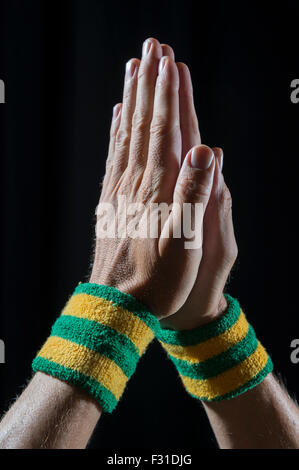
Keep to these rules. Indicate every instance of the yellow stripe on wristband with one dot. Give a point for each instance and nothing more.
(90, 363)
(230, 380)
(106, 313)
(212, 347)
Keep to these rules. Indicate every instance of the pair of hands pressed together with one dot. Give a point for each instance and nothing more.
(155, 155)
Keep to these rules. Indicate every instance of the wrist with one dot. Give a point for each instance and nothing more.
(196, 314)
(212, 314)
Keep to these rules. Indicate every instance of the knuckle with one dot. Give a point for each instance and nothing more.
(128, 93)
(231, 254)
(124, 186)
(234, 252)
(140, 123)
(160, 127)
(227, 252)
(109, 163)
(191, 190)
(145, 193)
(122, 138)
(113, 130)
(225, 199)
(142, 73)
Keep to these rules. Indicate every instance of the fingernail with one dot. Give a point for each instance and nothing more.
(201, 157)
(130, 69)
(162, 64)
(218, 152)
(146, 47)
(221, 161)
(116, 111)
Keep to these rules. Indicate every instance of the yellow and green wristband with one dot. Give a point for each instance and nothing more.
(97, 341)
(218, 360)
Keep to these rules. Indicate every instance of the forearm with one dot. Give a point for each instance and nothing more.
(262, 418)
(50, 414)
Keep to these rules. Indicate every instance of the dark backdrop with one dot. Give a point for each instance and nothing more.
(63, 64)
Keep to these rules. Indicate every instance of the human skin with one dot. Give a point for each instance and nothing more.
(53, 414)
(49, 414)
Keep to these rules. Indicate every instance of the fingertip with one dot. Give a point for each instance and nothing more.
(184, 70)
(163, 63)
(116, 111)
(151, 39)
(131, 67)
(167, 51)
(168, 69)
(151, 45)
(218, 152)
(201, 157)
(134, 62)
(183, 67)
(186, 87)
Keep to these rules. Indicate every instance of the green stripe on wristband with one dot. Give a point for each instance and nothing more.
(220, 363)
(204, 332)
(91, 386)
(256, 380)
(99, 338)
(125, 301)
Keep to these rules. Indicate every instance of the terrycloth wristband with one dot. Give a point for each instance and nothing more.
(97, 342)
(219, 360)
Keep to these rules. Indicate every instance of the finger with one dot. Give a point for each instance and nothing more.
(221, 192)
(142, 117)
(123, 135)
(188, 119)
(167, 50)
(116, 117)
(195, 180)
(218, 216)
(218, 177)
(218, 225)
(115, 123)
(193, 186)
(165, 136)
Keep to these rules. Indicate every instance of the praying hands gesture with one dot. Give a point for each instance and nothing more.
(164, 286)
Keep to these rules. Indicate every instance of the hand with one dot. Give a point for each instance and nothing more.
(145, 166)
(206, 300)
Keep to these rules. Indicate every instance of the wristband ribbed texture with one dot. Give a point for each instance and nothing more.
(219, 360)
(97, 342)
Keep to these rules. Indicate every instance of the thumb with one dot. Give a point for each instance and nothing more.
(182, 250)
(195, 180)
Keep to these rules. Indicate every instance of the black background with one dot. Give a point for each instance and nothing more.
(62, 63)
